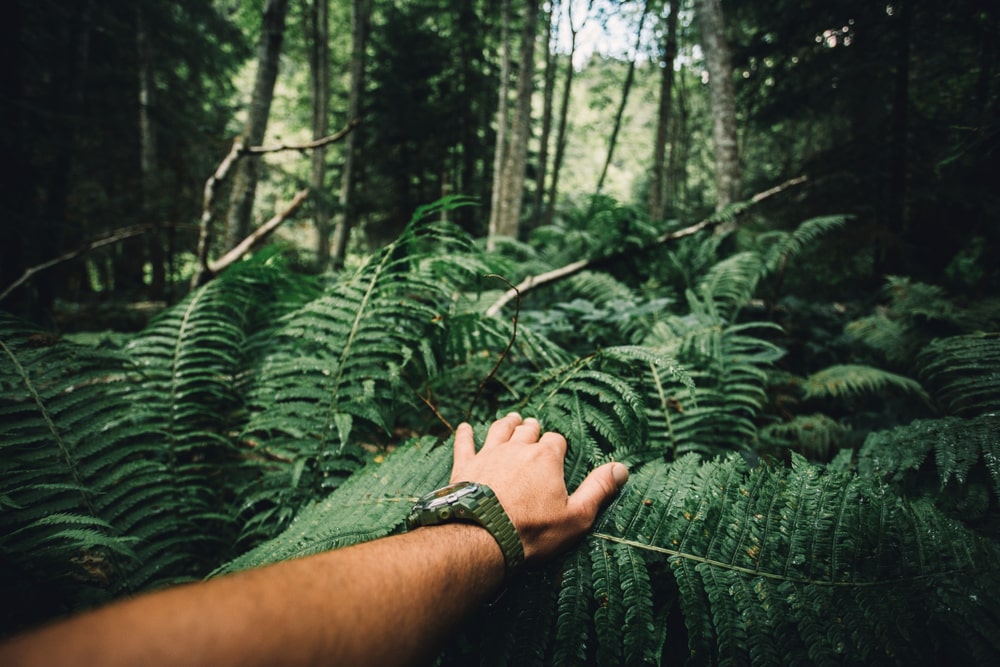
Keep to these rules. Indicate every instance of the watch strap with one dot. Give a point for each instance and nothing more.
(481, 507)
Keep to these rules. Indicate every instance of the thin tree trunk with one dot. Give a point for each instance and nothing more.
(722, 99)
(245, 179)
(550, 208)
(512, 194)
(657, 179)
(897, 207)
(626, 89)
(361, 11)
(148, 207)
(500, 145)
(551, 37)
(318, 29)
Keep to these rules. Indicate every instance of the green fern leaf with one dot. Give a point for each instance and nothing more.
(372, 503)
(964, 373)
(853, 380)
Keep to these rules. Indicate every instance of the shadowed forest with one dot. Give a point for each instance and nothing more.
(260, 258)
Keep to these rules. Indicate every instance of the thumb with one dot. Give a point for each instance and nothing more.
(597, 488)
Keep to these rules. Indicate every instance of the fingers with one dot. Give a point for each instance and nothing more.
(596, 489)
(465, 445)
(528, 431)
(502, 429)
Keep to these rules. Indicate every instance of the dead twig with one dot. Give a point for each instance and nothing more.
(115, 237)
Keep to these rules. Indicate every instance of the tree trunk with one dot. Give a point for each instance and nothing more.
(722, 99)
(361, 11)
(515, 159)
(500, 145)
(557, 160)
(245, 179)
(626, 89)
(318, 30)
(657, 177)
(551, 37)
(148, 206)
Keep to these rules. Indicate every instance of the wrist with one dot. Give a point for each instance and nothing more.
(469, 502)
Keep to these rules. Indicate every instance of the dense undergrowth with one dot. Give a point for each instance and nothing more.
(810, 484)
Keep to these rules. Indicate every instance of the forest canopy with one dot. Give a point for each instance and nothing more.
(259, 259)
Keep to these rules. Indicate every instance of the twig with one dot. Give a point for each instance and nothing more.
(118, 235)
(556, 274)
(503, 355)
(309, 145)
(433, 408)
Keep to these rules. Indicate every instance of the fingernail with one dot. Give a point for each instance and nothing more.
(620, 473)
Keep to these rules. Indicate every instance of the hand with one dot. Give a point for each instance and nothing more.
(524, 467)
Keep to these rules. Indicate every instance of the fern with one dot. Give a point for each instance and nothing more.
(964, 372)
(847, 381)
(965, 454)
(728, 365)
(87, 495)
(336, 373)
(815, 436)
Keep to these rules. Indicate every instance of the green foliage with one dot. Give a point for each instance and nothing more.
(263, 419)
(964, 372)
(845, 381)
(963, 455)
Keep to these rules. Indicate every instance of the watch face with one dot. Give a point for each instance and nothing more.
(449, 494)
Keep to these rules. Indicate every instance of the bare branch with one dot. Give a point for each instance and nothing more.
(309, 145)
(115, 237)
(258, 235)
(204, 272)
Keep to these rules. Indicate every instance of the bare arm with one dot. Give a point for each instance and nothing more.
(392, 601)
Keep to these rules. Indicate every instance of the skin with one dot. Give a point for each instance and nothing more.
(392, 601)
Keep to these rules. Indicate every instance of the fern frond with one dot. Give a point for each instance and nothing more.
(853, 380)
(339, 370)
(816, 436)
(885, 335)
(963, 372)
(731, 282)
(87, 487)
(764, 558)
(957, 446)
(779, 246)
(728, 365)
(370, 504)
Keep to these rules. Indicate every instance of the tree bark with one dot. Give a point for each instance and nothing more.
(500, 144)
(361, 11)
(245, 179)
(657, 178)
(722, 99)
(557, 160)
(551, 36)
(318, 29)
(515, 159)
(148, 206)
(626, 89)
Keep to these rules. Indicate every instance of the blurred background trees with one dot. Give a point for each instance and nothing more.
(115, 113)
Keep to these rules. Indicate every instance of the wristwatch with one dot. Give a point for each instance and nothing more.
(473, 503)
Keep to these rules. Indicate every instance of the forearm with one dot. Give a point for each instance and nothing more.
(387, 602)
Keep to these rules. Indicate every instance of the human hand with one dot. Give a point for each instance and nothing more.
(524, 467)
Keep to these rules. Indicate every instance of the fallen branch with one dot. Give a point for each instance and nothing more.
(575, 267)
